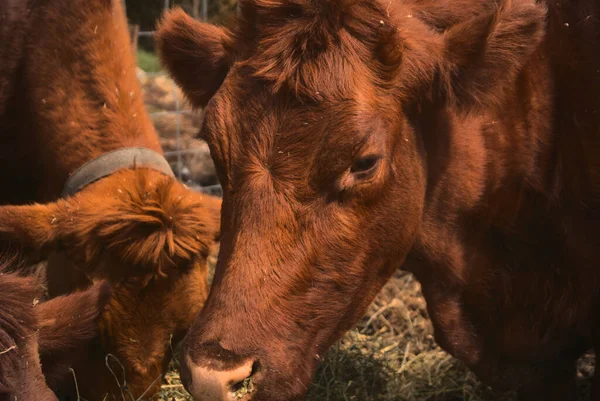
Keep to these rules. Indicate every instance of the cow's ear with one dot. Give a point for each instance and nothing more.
(196, 54)
(29, 233)
(481, 57)
(66, 326)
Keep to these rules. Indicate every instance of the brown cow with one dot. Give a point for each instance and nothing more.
(456, 140)
(52, 331)
(69, 99)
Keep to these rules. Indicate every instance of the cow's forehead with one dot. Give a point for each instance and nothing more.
(255, 118)
(295, 145)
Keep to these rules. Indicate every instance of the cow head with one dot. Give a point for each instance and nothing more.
(318, 115)
(149, 236)
(51, 332)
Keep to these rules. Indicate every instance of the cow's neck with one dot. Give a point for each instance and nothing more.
(70, 109)
(486, 170)
(487, 174)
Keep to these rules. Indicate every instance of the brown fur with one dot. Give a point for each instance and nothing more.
(150, 223)
(47, 332)
(17, 330)
(68, 93)
(457, 140)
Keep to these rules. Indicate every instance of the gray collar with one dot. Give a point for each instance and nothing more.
(108, 163)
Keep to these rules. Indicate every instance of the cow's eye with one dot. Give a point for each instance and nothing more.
(365, 164)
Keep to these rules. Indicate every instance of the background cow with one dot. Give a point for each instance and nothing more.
(52, 331)
(68, 94)
(457, 140)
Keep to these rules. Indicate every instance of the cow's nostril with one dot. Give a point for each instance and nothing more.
(240, 389)
(246, 386)
(255, 368)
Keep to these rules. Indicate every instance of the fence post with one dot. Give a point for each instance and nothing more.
(134, 30)
(196, 9)
(177, 117)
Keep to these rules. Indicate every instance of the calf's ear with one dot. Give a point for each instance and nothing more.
(67, 325)
(481, 57)
(196, 54)
(29, 233)
(80, 312)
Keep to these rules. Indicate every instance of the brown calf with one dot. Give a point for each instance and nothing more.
(458, 140)
(51, 332)
(69, 94)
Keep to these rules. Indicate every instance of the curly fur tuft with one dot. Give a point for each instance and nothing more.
(135, 223)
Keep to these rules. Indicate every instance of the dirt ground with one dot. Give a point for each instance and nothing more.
(391, 355)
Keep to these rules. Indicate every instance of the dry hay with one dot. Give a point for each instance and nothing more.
(392, 356)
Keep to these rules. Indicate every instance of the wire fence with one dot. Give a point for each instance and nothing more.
(180, 151)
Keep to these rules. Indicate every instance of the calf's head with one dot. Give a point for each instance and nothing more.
(149, 236)
(49, 332)
(318, 116)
